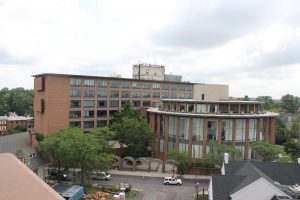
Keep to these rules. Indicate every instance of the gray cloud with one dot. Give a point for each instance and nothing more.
(8, 58)
(205, 25)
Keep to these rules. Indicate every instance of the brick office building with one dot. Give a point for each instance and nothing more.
(7, 123)
(192, 125)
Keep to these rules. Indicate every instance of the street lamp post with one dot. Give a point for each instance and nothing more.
(196, 187)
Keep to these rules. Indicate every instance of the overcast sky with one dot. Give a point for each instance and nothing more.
(253, 46)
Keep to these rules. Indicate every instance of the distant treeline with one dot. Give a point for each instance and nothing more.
(18, 100)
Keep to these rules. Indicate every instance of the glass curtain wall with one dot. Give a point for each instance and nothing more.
(240, 130)
(252, 130)
(197, 138)
(227, 130)
(172, 133)
(184, 129)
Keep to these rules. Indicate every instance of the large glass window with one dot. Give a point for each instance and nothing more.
(223, 108)
(89, 93)
(75, 114)
(183, 136)
(101, 113)
(136, 103)
(173, 95)
(114, 104)
(197, 133)
(102, 83)
(88, 124)
(212, 130)
(156, 86)
(189, 95)
(234, 108)
(212, 108)
(76, 124)
(165, 95)
(114, 84)
(136, 85)
(125, 94)
(147, 86)
(88, 113)
(75, 93)
(102, 93)
(75, 103)
(241, 148)
(114, 94)
(262, 130)
(252, 130)
(181, 95)
(89, 104)
(226, 130)
(173, 87)
(156, 95)
(89, 83)
(125, 84)
(189, 87)
(181, 87)
(240, 130)
(146, 103)
(136, 94)
(201, 108)
(102, 103)
(75, 82)
(101, 123)
(146, 94)
(197, 151)
(172, 133)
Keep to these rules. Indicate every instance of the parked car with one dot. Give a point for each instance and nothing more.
(124, 187)
(172, 181)
(101, 175)
(54, 175)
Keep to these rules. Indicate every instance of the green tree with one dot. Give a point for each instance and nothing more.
(268, 102)
(216, 154)
(294, 132)
(281, 133)
(4, 107)
(136, 134)
(128, 112)
(290, 103)
(265, 151)
(293, 149)
(246, 98)
(181, 158)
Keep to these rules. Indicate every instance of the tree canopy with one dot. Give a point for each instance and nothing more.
(216, 153)
(265, 151)
(181, 158)
(268, 101)
(290, 103)
(292, 148)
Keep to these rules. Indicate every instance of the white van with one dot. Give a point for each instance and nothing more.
(172, 181)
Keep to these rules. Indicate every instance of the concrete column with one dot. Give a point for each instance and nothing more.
(267, 130)
(258, 130)
(157, 150)
(166, 137)
(219, 131)
(247, 108)
(272, 130)
(246, 139)
(177, 121)
(204, 137)
(233, 131)
(239, 108)
(190, 137)
(229, 108)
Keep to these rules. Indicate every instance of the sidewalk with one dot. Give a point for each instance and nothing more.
(155, 174)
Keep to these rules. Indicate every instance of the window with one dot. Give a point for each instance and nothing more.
(75, 124)
(125, 94)
(89, 83)
(146, 103)
(136, 85)
(102, 93)
(181, 87)
(173, 96)
(156, 95)
(189, 95)
(75, 114)
(197, 133)
(114, 94)
(125, 84)
(226, 130)
(114, 84)
(136, 103)
(75, 103)
(75, 93)
(181, 95)
(156, 86)
(202, 96)
(165, 95)
(201, 108)
(240, 130)
(102, 103)
(112, 112)
(88, 113)
(252, 130)
(146, 95)
(189, 87)
(147, 86)
(88, 124)
(89, 93)
(75, 82)
(124, 102)
(165, 86)
(101, 113)
(212, 130)
(114, 104)
(101, 123)
(89, 104)
(136, 94)
(102, 83)
(173, 87)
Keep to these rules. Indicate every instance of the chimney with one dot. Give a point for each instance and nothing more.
(226, 158)
(32, 140)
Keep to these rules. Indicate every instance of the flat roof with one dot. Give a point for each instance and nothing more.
(108, 77)
(216, 115)
(204, 101)
(19, 182)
